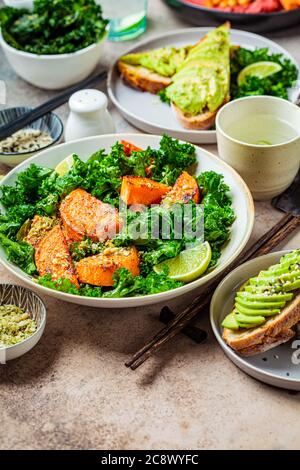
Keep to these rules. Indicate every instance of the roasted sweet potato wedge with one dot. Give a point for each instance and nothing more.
(138, 190)
(129, 148)
(38, 229)
(83, 215)
(52, 256)
(184, 190)
(98, 270)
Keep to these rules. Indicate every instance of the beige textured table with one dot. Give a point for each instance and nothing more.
(73, 391)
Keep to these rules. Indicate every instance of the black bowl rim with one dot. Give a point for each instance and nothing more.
(44, 317)
(233, 13)
(31, 152)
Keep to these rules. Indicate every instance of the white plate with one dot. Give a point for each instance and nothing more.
(241, 229)
(147, 112)
(274, 367)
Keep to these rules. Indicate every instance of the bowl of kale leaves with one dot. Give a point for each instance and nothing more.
(55, 45)
(99, 166)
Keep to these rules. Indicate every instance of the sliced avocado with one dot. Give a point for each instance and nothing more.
(262, 288)
(266, 294)
(252, 304)
(274, 279)
(293, 256)
(285, 264)
(266, 312)
(202, 80)
(249, 320)
(247, 325)
(230, 322)
(290, 276)
(164, 61)
(290, 286)
(265, 297)
(276, 272)
(261, 281)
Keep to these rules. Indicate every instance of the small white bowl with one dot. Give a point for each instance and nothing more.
(49, 123)
(56, 71)
(31, 303)
(267, 169)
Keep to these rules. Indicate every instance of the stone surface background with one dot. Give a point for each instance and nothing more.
(73, 391)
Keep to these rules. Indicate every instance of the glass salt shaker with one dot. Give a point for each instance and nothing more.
(88, 115)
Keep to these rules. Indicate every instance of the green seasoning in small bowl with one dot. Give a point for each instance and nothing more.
(16, 325)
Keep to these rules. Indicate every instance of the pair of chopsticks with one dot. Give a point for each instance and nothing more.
(265, 244)
(30, 116)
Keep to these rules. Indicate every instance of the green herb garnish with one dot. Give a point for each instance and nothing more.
(54, 26)
(274, 85)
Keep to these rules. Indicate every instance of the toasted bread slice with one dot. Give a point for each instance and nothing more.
(142, 78)
(200, 122)
(275, 331)
(283, 337)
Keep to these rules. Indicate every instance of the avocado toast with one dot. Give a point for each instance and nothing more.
(266, 308)
(194, 79)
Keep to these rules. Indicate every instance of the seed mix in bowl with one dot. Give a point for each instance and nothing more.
(25, 140)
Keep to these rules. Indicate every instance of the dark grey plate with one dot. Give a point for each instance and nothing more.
(257, 23)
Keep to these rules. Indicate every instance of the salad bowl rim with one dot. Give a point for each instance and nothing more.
(124, 302)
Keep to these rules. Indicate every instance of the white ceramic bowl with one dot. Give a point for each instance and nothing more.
(275, 366)
(267, 169)
(31, 303)
(56, 71)
(240, 233)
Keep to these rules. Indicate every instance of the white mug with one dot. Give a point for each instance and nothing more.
(267, 169)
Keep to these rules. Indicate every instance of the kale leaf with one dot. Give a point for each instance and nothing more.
(275, 85)
(20, 253)
(218, 212)
(171, 159)
(125, 285)
(84, 248)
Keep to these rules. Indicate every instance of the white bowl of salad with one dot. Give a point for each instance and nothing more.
(59, 239)
(53, 48)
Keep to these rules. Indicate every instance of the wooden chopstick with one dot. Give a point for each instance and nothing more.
(26, 118)
(287, 224)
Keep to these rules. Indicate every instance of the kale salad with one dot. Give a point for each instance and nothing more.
(49, 226)
(54, 26)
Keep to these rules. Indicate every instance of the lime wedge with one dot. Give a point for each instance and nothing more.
(64, 166)
(258, 69)
(188, 265)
